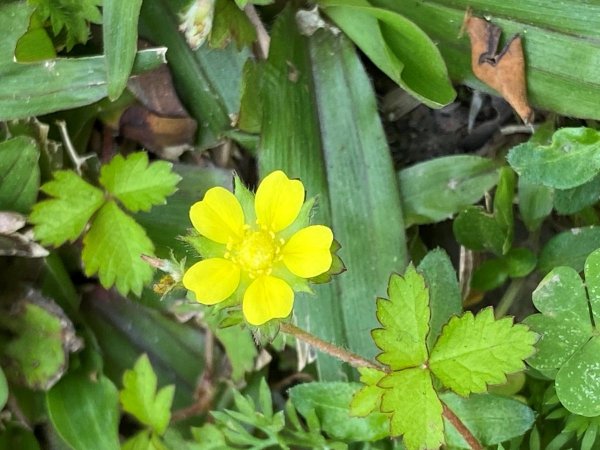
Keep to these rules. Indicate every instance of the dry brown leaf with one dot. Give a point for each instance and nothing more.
(504, 71)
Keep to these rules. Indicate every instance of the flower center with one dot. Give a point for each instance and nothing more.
(256, 253)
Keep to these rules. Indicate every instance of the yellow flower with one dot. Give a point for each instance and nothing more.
(259, 249)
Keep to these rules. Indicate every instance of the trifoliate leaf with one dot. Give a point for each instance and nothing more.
(416, 411)
(113, 248)
(474, 351)
(569, 345)
(137, 184)
(64, 217)
(140, 398)
(72, 15)
(405, 321)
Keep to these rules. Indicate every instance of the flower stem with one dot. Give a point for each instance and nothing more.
(337, 352)
(462, 429)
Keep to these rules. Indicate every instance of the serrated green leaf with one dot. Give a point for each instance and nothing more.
(416, 411)
(74, 16)
(64, 217)
(405, 320)
(137, 184)
(367, 399)
(140, 398)
(474, 351)
(113, 247)
(570, 160)
(19, 174)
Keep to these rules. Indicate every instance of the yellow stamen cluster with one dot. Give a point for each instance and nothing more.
(256, 252)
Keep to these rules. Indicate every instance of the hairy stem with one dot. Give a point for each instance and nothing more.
(462, 429)
(337, 352)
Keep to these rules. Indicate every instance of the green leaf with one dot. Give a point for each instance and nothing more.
(490, 274)
(570, 160)
(474, 351)
(331, 403)
(491, 418)
(416, 411)
(42, 87)
(113, 248)
(37, 354)
(3, 389)
(16, 436)
(19, 174)
(240, 348)
(84, 409)
(397, 46)
(141, 399)
(535, 203)
(433, 191)
(445, 300)
(478, 230)
(553, 45)
(74, 16)
(119, 32)
(367, 399)
(405, 320)
(569, 340)
(137, 184)
(520, 262)
(229, 23)
(503, 205)
(569, 248)
(64, 217)
(570, 201)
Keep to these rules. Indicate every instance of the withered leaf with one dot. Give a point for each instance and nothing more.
(503, 71)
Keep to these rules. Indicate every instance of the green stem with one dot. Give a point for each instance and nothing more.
(509, 297)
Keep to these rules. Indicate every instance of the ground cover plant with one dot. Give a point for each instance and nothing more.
(233, 224)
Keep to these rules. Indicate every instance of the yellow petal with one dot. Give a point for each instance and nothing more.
(212, 280)
(267, 298)
(218, 216)
(307, 252)
(278, 201)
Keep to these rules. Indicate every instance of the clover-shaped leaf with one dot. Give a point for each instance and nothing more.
(471, 352)
(569, 347)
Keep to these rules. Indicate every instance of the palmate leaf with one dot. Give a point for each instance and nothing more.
(112, 248)
(137, 184)
(405, 319)
(474, 351)
(141, 399)
(471, 352)
(63, 218)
